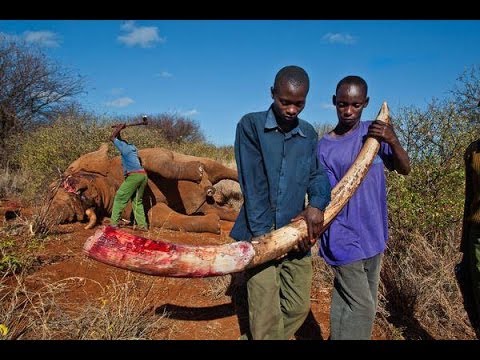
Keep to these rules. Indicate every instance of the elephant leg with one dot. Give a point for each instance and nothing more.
(215, 170)
(176, 170)
(218, 172)
(163, 217)
(223, 212)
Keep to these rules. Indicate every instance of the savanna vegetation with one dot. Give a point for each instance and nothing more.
(43, 130)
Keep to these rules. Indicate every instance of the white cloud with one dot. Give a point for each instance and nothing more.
(143, 36)
(8, 37)
(327, 106)
(42, 38)
(339, 38)
(190, 113)
(117, 91)
(164, 74)
(120, 102)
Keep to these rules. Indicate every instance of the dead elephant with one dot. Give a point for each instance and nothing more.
(179, 194)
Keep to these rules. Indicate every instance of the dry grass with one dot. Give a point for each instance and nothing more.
(40, 311)
(25, 312)
(232, 285)
(124, 311)
(11, 183)
(421, 297)
(42, 221)
(322, 272)
(216, 286)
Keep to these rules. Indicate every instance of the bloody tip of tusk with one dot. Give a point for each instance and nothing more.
(127, 251)
(131, 252)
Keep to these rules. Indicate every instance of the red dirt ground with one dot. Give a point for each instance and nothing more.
(194, 314)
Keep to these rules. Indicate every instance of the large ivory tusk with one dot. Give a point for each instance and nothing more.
(280, 241)
(121, 249)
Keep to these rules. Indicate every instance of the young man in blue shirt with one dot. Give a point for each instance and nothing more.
(354, 242)
(277, 167)
(134, 184)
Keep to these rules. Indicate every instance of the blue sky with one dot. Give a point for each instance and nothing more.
(215, 71)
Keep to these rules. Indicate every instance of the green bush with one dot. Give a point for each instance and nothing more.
(46, 152)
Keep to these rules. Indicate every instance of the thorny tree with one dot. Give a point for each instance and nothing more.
(32, 88)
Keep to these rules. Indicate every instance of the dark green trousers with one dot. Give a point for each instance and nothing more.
(473, 248)
(279, 297)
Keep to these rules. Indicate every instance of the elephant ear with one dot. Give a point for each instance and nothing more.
(94, 162)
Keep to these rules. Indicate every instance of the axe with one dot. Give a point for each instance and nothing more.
(144, 121)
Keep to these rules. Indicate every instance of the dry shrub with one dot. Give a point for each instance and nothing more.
(15, 319)
(27, 313)
(223, 154)
(37, 225)
(123, 311)
(420, 294)
(18, 247)
(176, 128)
(12, 183)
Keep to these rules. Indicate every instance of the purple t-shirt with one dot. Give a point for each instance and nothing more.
(360, 230)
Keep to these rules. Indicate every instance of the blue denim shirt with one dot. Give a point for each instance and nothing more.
(129, 153)
(275, 172)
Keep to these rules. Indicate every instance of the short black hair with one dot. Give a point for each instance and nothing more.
(292, 74)
(353, 80)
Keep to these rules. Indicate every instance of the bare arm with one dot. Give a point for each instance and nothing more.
(116, 131)
(385, 132)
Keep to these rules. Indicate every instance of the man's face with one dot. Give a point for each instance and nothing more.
(289, 101)
(350, 101)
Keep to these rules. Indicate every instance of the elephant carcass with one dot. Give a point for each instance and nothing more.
(123, 250)
(178, 195)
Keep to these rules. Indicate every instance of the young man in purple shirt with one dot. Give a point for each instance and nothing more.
(355, 241)
(277, 166)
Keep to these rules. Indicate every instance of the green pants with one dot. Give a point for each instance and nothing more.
(279, 297)
(131, 189)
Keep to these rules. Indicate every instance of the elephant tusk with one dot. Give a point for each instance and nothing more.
(92, 218)
(278, 242)
(127, 251)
